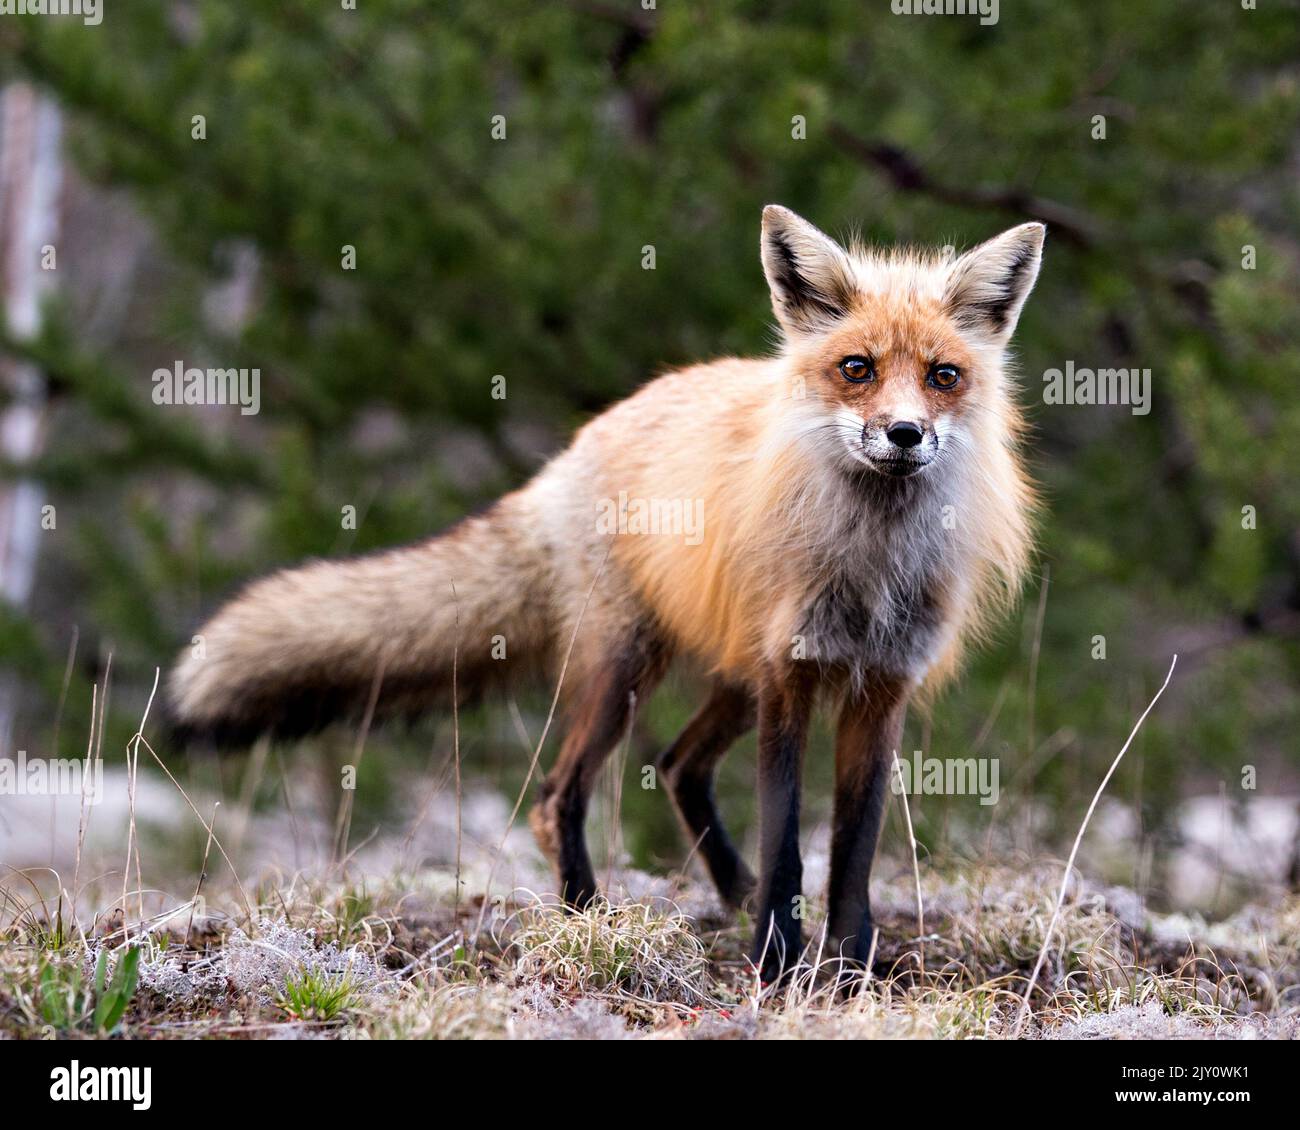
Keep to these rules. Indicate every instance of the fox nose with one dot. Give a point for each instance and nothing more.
(904, 433)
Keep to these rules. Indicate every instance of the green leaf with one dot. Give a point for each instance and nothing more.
(112, 1004)
(52, 1007)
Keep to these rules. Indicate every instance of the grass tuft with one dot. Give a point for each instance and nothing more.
(314, 996)
(625, 954)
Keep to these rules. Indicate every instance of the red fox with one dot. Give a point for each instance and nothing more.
(864, 515)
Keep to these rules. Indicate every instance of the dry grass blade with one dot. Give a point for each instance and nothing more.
(1074, 851)
(133, 834)
(243, 894)
(916, 865)
(455, 731)
(344, 826)
(203, 874)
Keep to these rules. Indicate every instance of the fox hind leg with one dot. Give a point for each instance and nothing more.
(689, 766)
(598, 720)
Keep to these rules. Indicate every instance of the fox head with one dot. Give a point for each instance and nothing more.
(898, 356)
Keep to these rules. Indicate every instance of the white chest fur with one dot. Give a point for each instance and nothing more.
(879, 604)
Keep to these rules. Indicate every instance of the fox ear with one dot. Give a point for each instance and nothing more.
(809, 274)
(989, 284)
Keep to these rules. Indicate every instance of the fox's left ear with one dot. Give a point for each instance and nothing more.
(989, 284)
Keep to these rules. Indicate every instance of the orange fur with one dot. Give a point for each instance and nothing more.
(767, 448)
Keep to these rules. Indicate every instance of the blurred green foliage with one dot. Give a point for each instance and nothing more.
(522, 256)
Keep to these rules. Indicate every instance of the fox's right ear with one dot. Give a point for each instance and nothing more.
(809, 274)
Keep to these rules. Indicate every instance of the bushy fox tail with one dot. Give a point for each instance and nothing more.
(311, 645)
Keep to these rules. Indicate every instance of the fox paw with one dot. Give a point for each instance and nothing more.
(544, 821)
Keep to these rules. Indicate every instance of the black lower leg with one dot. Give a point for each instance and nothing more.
(689, 766)
(567, 807)
(599, 722)
(783, 709)
(869, 730)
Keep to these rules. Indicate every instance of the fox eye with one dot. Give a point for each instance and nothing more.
(944, 376)
(857, 369)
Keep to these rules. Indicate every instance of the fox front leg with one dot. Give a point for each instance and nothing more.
(870, 727)
(784, 705)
